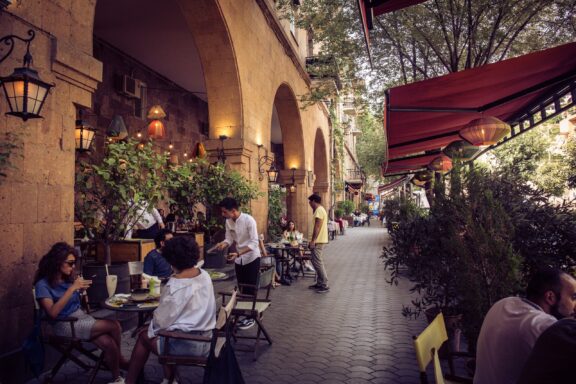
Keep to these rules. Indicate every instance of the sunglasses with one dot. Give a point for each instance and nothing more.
(71, 263)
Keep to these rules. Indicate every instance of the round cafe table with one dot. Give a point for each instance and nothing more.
(144, 309)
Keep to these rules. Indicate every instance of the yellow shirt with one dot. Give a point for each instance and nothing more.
(320, 213)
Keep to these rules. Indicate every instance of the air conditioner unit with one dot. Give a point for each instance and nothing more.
(129, 87)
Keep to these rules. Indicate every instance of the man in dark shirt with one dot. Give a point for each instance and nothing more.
(154, 262)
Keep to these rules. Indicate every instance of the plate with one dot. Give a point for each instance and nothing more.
(215, 275)
(117, 302)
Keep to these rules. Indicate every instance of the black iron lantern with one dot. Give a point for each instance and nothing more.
(83, 135)
(24, 90)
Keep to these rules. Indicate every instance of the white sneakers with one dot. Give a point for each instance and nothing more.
(119, 380)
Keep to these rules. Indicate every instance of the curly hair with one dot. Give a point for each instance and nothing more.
(49, 265)
(181, 252)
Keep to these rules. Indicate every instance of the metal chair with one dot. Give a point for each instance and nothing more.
(252, 307)
(427, 345)
(70, 348)
(220, 336)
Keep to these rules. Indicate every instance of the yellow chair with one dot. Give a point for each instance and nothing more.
(427, 345)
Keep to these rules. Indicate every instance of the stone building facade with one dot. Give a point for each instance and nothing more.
(253, 71)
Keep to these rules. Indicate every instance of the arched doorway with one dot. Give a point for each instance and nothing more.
(186, 42)
(287, 144)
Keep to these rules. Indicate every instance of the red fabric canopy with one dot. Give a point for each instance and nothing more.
(428, 115)
(408, 164)
(396, 183)
(386, 6)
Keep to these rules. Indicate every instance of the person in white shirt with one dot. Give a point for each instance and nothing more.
(187, 304)
(147, 223)
(241, 229)
(513, 324)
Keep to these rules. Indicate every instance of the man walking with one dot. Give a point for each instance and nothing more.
(316, 244)
(241, 229)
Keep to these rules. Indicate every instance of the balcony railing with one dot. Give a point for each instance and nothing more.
(323, 67)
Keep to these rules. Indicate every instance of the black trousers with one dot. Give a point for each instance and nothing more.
(248, 274)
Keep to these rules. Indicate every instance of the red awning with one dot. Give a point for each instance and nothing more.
(385, 6)
(428, 115)
(395, 184)
(370, 8)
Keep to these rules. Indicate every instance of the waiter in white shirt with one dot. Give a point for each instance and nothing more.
(148, 223)
(241, 229)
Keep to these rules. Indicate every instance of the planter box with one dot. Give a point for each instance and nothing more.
(126, 250)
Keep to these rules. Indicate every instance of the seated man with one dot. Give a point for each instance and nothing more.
(154, 263)
(553, 355)
(187, 304)
(513, 324)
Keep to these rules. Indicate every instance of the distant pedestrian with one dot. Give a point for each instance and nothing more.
(316, 244)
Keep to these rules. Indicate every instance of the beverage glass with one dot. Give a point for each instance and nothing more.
(111, 282)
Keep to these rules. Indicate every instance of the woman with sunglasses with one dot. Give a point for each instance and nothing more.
(58, 289)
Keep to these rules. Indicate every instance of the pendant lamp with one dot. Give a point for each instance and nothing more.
(460, 149)
(441, 164)
(485, 131)
(156, 129)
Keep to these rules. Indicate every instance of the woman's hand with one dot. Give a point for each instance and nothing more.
(231, 256)
(80, 283)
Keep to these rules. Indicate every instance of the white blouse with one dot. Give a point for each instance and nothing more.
(185, 305)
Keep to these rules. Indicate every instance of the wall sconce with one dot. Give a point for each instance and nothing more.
(24, 90)
(293, 185)
(83, 134)
(272, 171)
(221, 154)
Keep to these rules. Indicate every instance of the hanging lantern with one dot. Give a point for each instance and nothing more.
(460, 149)
(199, 151)
(117, 129)
(272, 173)
(156, 113)
(441, 164)
(156, 129)
(418, 183)
(83, 135)
(423, 176)
(485, 131)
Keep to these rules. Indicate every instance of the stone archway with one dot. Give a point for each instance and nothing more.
(321, 168)
(292, 154)
(194, 50)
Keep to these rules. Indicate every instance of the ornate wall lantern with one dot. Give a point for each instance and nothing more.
(83, 134)
(24, 90)
(272, 171)
(485, 131)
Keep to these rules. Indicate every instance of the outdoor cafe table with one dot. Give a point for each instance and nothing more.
(144, 309)
(285, 254)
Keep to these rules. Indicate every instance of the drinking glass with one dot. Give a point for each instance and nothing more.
(111, 283)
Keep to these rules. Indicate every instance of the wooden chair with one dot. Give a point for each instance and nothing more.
(427, 345)
(70, 348)
(305, 256)
(220, 336)
(253, 307)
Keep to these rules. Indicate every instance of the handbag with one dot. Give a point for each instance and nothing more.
(33, 349)
(223, 369)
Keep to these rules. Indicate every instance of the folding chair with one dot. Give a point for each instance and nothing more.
(220, 336)
(252, 307)
(70, 348)
(427, 345)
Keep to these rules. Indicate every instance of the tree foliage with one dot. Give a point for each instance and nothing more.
(371, 144)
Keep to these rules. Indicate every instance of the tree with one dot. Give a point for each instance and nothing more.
(110, 192)
(371, 144)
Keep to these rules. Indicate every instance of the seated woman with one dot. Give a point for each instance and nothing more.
(58, 293)
(291, 234)
(187, 304)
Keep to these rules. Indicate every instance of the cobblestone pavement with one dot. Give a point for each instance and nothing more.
(355, 333)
